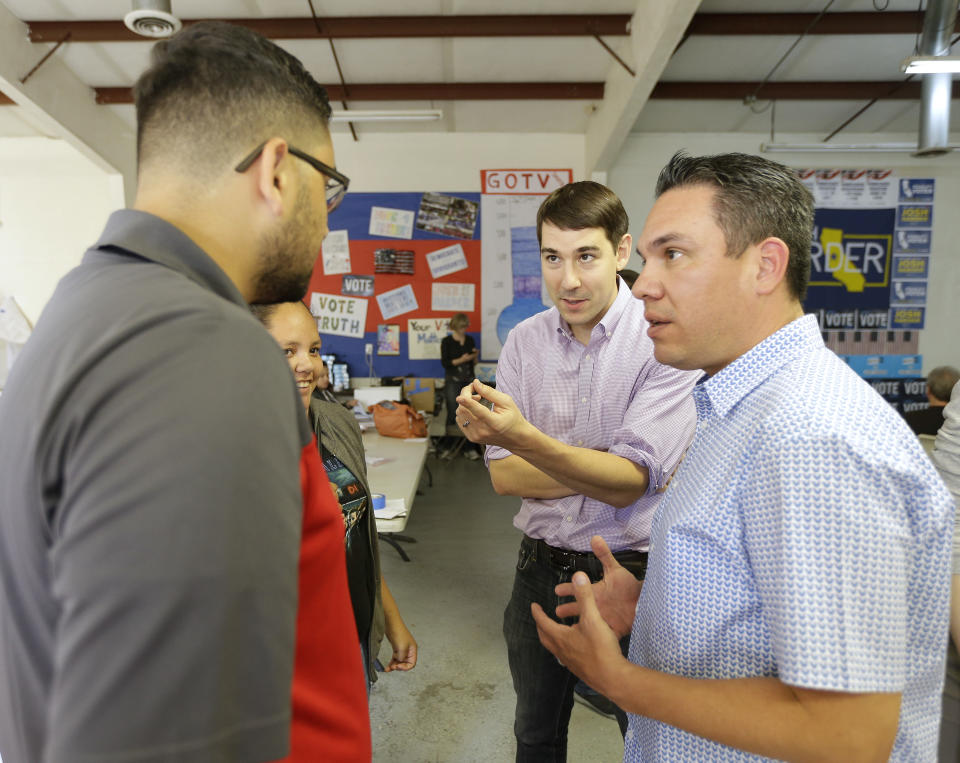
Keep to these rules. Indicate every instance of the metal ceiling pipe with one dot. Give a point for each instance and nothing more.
(938, 23)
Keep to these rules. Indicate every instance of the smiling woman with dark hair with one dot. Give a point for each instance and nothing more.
(341, 448)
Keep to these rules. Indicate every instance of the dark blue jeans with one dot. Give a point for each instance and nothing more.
(544, 687)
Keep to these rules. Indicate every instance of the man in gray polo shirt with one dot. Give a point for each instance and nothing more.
(150, 465)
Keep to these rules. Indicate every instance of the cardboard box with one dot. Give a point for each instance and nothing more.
(421, 393)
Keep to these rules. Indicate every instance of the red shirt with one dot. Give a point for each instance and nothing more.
(331, 719)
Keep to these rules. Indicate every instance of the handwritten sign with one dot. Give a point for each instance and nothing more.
(336, 253)
(397, 301)
(424, 336)
(447, 260)
(452, 297)
(338, 315)
(395, 223)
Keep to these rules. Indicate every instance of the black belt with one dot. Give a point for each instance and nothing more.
(578, 560)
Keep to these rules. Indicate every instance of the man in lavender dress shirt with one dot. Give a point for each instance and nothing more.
(586, 427)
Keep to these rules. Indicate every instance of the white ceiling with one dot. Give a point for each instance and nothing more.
(531, 59)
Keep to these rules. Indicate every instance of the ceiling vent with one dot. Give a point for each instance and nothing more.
(152, 18)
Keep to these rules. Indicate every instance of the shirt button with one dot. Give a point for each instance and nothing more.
(569, 518)
(579, 442)
(583, 399)
(629, 734)
(587, 356)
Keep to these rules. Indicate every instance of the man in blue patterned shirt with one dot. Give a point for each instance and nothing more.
(795, 604)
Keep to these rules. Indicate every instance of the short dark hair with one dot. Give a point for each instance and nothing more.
(941, 381)
(215, 90)
(584, 205)
(263, 312)
(755, 199)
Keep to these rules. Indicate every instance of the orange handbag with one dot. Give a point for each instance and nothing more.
(397, 420)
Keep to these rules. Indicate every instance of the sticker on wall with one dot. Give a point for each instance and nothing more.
(448, 215)
(397, 301)
(447, 260)
(336, 253)
(338, 315)
(393, 261)
(916, 190)
(909, 293)
(452, 297)
(395, 223)
(914, 216)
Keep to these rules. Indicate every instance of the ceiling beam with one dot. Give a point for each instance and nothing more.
(593, 91)
(722, 24)
(431, 91)
(791, 91)
(863, 22)
(656, 30)
(294, 28)
(64, 107)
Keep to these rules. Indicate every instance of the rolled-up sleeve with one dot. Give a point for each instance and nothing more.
(659, 422)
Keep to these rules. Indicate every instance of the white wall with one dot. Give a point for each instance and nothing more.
(644, 154)
(53, 205)
(450, 161)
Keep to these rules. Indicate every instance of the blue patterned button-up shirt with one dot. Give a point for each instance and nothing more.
(805, 536)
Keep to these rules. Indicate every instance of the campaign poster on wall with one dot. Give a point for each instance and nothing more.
(871, 249)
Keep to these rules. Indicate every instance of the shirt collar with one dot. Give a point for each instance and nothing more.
(609, 320)
(152, 238)
(729, 386)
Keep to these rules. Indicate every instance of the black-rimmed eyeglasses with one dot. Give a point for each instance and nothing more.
(337, 182)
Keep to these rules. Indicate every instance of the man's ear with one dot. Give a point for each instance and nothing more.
(273, 174)
(774, 256)
(624, 250)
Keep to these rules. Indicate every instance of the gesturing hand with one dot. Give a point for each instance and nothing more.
(590, 648)
(615, 595)
(502, 424)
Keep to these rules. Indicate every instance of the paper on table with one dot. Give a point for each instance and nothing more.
(375, 460)
(396, 507)
(415, 439)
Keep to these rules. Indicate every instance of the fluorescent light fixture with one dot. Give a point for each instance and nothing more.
(408, 115)
(931, 65)
(818, 148)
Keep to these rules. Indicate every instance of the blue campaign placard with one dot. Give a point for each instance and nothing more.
(914, 215)
(908, 293)
(916, 190)
(911, 241)
(868, 366)
(850, 260)
(885, 366)
(907, 318)
(905, 366)
(915, 266)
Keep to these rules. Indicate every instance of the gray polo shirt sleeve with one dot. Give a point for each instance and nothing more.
(174, 545)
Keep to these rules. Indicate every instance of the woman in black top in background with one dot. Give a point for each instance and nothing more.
(457, 354)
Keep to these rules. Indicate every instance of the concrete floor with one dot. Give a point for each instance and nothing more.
(457, 704)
